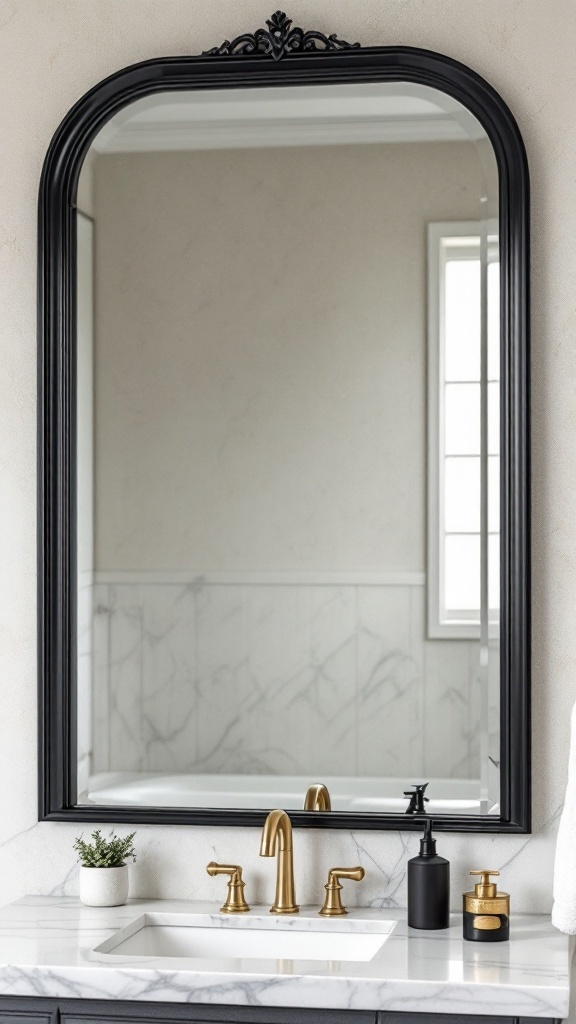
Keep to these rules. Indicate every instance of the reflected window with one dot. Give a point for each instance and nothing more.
(464, 427)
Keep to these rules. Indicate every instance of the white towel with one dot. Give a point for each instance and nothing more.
(564, 907)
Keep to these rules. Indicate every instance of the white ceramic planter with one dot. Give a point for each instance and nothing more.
(104, 887)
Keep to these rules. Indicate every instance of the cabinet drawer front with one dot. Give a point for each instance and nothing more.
(19, 1017)
(455, 1018)
(150, 1013)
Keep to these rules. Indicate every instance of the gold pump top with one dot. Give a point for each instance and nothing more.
(486, 899)
(485, 889)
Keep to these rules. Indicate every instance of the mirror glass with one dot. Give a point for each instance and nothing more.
(288, 365)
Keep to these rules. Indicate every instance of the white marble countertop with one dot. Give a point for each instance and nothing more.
(47, 948)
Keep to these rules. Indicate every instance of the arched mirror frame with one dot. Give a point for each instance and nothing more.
(275, 57)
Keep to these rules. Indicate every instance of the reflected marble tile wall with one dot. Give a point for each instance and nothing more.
(85, 674)
(279, 679)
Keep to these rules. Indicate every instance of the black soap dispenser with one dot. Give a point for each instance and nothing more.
(428, 886)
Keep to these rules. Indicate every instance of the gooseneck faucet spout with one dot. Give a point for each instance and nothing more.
(317, 798)
(277, 839)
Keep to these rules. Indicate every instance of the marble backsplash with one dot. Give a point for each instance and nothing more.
(275, 678)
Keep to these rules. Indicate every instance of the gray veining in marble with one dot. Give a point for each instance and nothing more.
(197, 676)
(47, 948)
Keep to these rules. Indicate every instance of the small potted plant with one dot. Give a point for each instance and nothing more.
(103, 871)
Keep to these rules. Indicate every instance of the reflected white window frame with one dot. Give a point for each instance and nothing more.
(461, 240)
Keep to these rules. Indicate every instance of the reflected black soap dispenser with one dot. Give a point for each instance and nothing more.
(428, 885)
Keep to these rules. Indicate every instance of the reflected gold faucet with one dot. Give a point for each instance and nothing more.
(317, 798)
(277, 839)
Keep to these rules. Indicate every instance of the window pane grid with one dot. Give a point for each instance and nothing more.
(465, 406)
(461, 449)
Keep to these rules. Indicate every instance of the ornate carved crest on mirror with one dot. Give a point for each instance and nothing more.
(284, 444)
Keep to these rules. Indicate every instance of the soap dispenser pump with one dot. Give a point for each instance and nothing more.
(486, 916)
(428, 886)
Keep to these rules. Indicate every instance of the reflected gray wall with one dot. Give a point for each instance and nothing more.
(260, 382)
(260, 366)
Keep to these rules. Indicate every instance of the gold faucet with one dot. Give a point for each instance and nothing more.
(333, 904)
(317, 798)
(235, 902)
(277, 839)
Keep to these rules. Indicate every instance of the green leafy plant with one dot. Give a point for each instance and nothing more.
(105, 853)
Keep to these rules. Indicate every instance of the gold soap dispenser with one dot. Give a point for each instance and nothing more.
(486, 911)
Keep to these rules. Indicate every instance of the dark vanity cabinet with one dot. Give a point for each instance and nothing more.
(32, 1010)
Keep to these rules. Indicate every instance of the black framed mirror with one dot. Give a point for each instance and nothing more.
(284, 443)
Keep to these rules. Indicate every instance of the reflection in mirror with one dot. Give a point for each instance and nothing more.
(288, 369)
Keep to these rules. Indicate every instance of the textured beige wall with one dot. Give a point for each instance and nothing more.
(52, 51)
(261, 354)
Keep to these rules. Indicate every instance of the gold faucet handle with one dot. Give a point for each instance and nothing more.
(235, 902)
(333, 904)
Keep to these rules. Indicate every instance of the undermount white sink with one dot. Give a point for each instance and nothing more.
(199, 936)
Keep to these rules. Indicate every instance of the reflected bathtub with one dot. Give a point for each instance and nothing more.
(263, 792)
